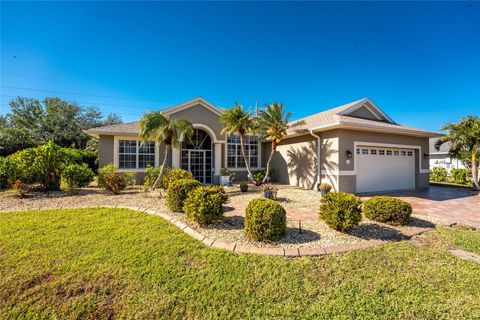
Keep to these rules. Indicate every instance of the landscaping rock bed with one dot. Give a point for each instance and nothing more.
(299, 234)
(287, 196)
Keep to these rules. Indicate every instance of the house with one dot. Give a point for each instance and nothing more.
(441, 157)
(360, 148)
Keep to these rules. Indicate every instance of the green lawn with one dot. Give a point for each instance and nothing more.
(111, 263)
(468, 240)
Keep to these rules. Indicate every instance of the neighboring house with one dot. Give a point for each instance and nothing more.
(361, 149)
(441, 157)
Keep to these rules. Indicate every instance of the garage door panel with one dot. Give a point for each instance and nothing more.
(384, 169)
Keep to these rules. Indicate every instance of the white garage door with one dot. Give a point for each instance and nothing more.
(383, 169)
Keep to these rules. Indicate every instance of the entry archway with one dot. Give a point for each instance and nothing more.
(196, 155)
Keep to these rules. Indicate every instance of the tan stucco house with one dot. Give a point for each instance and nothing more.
(360, 148)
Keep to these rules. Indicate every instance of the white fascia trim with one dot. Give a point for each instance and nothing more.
(191, 103)
(208, 130)
(116, 144)
(110, 133)
(390, 145)
(373, 128)
(362, 103)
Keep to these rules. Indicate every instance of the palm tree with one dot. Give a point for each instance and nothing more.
(160, 128)
(237, 121)
(273, 124)
(464, 138)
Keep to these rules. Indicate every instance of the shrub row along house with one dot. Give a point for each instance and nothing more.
(355, 147)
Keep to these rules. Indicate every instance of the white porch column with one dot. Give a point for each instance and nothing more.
(175, 157)
(218, 158)
(319, 160)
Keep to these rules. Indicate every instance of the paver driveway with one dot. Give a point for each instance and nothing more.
(451, 205)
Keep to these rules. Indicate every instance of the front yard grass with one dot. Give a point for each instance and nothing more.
(117, 263)
(463, 238)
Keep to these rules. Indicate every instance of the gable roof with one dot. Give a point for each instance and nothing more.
(133, 128)
(338, 117)
(193, 102)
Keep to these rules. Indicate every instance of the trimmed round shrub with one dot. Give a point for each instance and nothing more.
(387, 209)
(77, 175)
(103, 171)
(171, 175)
(115, 182)
(178, 192)
(204, 205)
(340, 210)
(265, 220)
(221, 190)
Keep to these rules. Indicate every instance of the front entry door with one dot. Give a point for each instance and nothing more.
(199, 163)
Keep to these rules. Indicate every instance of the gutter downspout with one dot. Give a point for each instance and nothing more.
(319, 160)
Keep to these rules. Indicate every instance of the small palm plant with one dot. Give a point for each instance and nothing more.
(237, 121)
(273, 124)
(160, 128)
(464, 138)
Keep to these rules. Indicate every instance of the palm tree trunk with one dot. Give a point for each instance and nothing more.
(267, 173)
(160, 175)
(476, 184)
(247, 161)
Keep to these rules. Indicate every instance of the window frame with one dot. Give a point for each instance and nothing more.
(116, 151)
(238, 147)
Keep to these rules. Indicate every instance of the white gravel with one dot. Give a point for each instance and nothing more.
(230, 229)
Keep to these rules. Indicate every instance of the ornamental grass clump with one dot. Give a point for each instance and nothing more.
(340, 210)
(388, 210)
(204, 204)
(178, 192)
(265, 220)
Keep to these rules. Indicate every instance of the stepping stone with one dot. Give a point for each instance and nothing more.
(465, 255)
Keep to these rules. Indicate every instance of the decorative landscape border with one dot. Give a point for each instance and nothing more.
(286, 252)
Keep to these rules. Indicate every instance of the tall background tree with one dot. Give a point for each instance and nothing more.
(31, 123)
(464, 140)
(273, 124)
(239, 122)
(159, 127)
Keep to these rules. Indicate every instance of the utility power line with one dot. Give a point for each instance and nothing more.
(42, 78)
(105, 113)
(74, 93)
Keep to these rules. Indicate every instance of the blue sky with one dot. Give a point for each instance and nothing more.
(419, 61)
